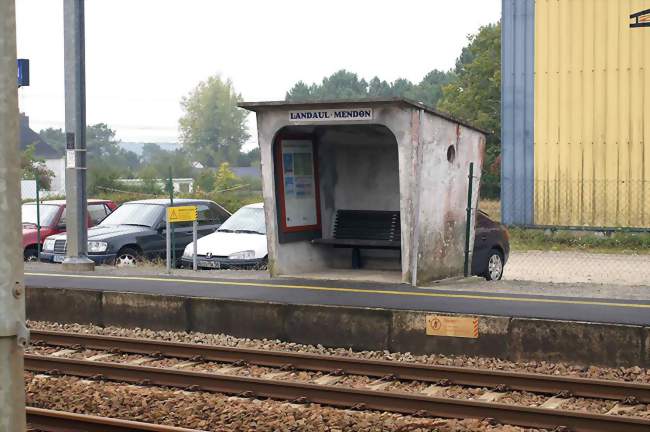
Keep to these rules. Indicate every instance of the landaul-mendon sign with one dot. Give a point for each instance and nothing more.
(348, 114)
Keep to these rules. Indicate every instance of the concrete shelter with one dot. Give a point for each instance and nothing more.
(390, 163)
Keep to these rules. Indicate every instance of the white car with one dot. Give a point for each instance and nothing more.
(240, 242)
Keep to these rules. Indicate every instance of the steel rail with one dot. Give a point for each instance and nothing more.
(404, 403)
(60, 421)
(538, 383)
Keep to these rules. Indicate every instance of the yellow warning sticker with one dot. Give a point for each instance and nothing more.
(182, 214)
(440, 325)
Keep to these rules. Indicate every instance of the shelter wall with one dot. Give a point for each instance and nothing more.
(443, 185)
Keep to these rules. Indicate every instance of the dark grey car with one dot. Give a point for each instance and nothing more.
(491, 248)
(136, 230)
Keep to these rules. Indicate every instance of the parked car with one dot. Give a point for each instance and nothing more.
(53, 220)
(239, 242)
(136, 230)
(491, 248)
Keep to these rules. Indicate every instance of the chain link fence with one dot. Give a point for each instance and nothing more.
(594, 232)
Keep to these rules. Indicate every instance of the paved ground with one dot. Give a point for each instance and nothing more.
(579, 267)
(630, 305)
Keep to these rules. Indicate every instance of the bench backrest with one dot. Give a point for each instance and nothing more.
(367, 225)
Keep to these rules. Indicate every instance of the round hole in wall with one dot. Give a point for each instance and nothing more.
(451, 153)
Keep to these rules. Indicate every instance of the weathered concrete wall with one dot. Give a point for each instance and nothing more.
(348, 327)
(441, 214)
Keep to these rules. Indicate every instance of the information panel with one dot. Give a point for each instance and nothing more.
(299, 180)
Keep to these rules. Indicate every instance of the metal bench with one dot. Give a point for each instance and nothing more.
(364, 229)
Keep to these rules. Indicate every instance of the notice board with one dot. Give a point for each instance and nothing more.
(299, 185)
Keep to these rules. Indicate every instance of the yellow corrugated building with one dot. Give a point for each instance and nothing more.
(592, 113)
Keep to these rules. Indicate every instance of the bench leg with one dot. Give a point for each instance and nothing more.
(356, 258)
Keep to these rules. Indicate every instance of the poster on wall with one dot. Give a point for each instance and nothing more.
(300, 198)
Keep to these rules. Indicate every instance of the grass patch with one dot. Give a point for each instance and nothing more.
(630, 243)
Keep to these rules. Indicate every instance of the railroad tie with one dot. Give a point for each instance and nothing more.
(491, 396)
(140, 361)
(185, 364)
(228, 370)
(554, 402)
(276, 375)
(378, 385)
(98, 357)
(620, 409)
(328, 379)
(434, 391)
(63, 353)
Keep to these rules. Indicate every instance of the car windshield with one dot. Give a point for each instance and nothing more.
(245, 220)
(48, 213)
(136, 214)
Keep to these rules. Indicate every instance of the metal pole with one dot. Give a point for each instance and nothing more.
(38, 219)
(168, 243)
(75, 128)
(468, 222)
(13, 334)
(171, 203)
(195, 228)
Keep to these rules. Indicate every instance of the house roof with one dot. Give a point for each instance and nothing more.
(278, 105)
(28, 137)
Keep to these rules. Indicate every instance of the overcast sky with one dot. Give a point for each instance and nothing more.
(142, 56)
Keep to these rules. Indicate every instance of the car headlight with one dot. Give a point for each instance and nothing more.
(48, 244)
(243, 255)
(96, 246)
(189, 251)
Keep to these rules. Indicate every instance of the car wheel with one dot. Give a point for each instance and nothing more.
(494, 265)
(30, 255)
(127, 257)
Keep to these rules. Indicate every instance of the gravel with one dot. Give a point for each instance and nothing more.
(578, 267)
(629, 374)
(217, 412)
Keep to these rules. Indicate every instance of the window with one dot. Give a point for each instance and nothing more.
(97, 213)
(209, 213)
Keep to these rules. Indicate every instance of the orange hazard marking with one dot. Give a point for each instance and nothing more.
(442, 325)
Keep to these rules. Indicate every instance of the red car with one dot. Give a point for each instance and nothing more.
(53, 221)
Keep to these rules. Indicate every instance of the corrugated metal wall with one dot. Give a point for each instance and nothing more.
(592, 113)
(517, 62)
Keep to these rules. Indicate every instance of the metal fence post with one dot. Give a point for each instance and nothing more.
(468, 221)
(170, 185)
(38, 220)
(168, 243)
(195, 228)
(13, 335)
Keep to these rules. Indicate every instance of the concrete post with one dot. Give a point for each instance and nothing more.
(13, 334)
(75, 128)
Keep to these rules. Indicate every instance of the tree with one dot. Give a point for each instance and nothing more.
(213, 128)
(35, 169)
(475, 94)
(225, 178)
(55, 138)
(347, 85)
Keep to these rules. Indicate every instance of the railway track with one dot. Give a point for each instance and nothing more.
(536, 383)
(338, 396)
(58, 421)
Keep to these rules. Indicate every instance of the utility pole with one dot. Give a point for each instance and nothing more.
(75, 132)
(13, 335)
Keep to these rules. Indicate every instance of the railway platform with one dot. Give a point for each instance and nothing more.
(586, 324)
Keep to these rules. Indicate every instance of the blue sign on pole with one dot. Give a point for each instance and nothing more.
(23, 72)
